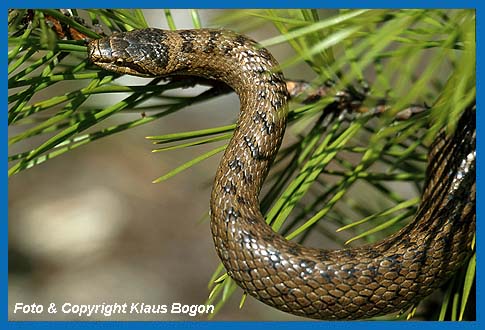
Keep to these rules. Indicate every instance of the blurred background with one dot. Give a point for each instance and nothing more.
(89, 226)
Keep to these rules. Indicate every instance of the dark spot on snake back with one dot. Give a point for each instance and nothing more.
(241, 200)
(236, 165)
(230, 188)
(232, 215)
(241, 40)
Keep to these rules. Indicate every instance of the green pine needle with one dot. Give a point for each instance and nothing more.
(411, 56)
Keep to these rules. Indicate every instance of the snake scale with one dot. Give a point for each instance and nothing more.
(350, 283)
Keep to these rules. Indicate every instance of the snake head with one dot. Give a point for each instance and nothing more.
(102, 54)
(139, 53)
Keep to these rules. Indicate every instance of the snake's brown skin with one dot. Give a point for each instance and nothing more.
(351, 283)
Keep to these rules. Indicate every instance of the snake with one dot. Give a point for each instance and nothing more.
(341, 284)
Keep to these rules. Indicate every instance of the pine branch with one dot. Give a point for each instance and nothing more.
(420, 65)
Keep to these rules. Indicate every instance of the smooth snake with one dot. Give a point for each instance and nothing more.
(349, 283)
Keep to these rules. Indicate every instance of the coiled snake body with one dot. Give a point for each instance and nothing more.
(324, 284)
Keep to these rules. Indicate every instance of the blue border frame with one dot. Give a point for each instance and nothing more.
(246, 4)
(4, 324)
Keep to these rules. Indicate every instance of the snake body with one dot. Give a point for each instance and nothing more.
(350, 283)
